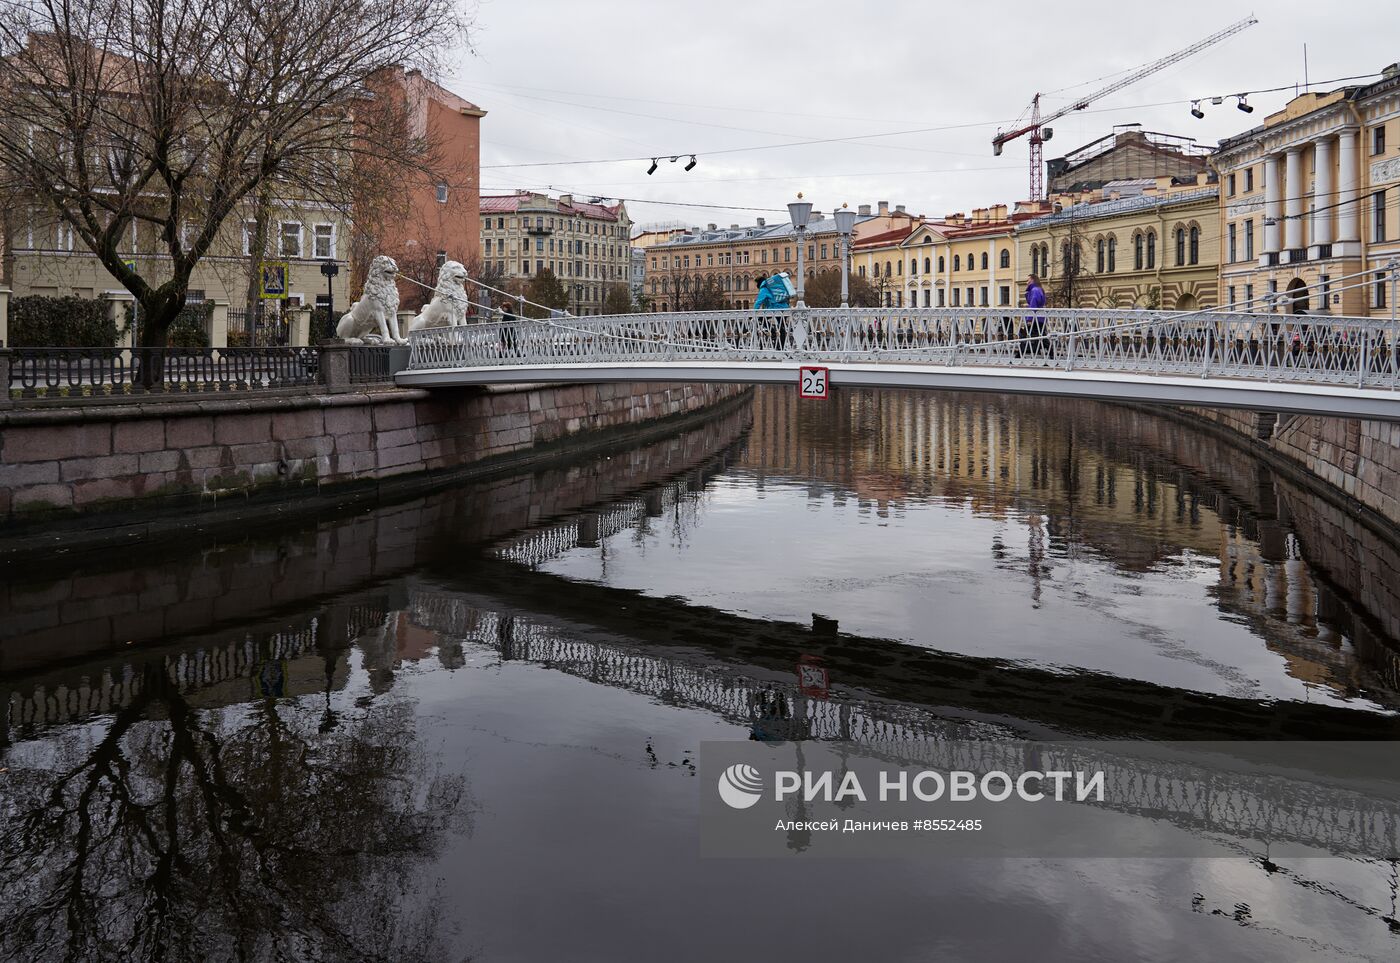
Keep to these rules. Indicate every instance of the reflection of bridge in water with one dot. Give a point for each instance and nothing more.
(1237, 805)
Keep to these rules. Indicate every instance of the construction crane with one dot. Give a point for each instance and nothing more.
(1039, 133)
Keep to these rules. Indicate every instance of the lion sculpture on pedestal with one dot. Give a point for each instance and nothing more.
(448, 308)
(374, 318)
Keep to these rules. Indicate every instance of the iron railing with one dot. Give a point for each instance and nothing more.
(1318, 349)
(83, 372)
(369, 364)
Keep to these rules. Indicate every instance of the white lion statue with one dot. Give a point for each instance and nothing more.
(374, 318)
(449, 304)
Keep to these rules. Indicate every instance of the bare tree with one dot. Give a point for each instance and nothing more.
(824, 291)
(165, 118)
(618, 300)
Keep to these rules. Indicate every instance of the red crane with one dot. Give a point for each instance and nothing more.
(1034, 124)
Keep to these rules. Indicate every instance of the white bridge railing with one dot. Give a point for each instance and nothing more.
(1317, 349)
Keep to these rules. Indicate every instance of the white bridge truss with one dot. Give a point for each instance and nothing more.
(1309, 364)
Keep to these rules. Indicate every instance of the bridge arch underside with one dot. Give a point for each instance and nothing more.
(1285, 397)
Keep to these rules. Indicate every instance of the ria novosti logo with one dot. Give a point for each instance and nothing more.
(740, 786)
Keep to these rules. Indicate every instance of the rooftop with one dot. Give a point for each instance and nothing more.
(511, 203)
(1123, 205)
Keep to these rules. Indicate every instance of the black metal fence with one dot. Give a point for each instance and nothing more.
(261, 327)
(369, 364)
(97, 372)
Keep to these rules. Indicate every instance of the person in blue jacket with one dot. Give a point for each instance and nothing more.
(774, 294)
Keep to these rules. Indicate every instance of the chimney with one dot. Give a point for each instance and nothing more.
(899, 208)
(762, 222)
(863, 210)
(734, 227)
(565, 200)
(884, 208)
(1000, 212)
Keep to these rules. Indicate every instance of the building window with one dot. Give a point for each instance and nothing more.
(1378, 206)
(1231, 292)
(888, 271)
(1230, 185)
(1100, 261)
(250, 229)
(442, 193)
(1324, 283)
(957, 295)
(1380, 289)
(290, 245)
(1151, 250)
(861, 270)
(823, 252)
(323, 241)
(957, 262)
(984, 265)
(1181, 247)
(1004, 295)
(984, 301)
(1248, 295)
(969, 297)
(1378, 139)
(899, 267)
(1232, 246)
(1138, 259)
(1112, 254)
(1248, 179)
(913, 265)
(1193, 254)
(941, 298)
(1006, 257)
(941, 267)
(1249, 239)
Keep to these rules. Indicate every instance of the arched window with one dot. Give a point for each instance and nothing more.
(899, 268)
(1066, 254)
(1138, 249)
(888, 271)
(1151, 250)
(913, 265)
(1195, 252)
(984, 260)
(1006, 257)
(1180, 246)
(927, 264)
(957, 262)
(877, 268)
(941, 267)
(1099, 262)
(1035, 260)
(1112, 253)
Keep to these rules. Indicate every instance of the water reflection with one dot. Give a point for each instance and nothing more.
(383, 737)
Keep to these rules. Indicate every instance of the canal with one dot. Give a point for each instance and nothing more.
(467, 726)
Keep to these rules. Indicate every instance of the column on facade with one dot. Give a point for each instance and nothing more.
(1348, 216)
(1293, 203)
(1272, 207)
(1322, 194)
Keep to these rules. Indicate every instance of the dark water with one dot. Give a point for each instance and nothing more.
(466, 726)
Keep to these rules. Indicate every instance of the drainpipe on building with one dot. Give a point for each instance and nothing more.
(1363, 189)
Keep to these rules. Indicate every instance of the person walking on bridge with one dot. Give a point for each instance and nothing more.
(1035, 323)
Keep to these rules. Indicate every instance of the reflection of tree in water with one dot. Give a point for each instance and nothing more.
(239, 833)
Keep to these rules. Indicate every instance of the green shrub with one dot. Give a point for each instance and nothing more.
(38, 321)
(190, 329)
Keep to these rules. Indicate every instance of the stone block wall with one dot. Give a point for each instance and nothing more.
(79, 460)
(1360, 459)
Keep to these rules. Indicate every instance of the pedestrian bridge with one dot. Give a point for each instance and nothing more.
(1306, 364)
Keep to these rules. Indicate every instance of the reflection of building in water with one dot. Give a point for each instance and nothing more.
(1133, 489)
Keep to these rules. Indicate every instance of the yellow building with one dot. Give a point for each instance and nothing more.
(1131, 244)
(1310, 203)
(958, 261)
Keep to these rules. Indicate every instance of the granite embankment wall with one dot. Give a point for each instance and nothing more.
(1359, 460)
(92, 463)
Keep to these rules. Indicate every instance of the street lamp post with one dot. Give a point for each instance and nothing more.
(799, 211)
(330, 269)
(845, 224)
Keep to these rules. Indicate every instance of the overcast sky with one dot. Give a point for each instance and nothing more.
(585, 80)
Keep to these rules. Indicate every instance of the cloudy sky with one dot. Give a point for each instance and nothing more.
(602, 80)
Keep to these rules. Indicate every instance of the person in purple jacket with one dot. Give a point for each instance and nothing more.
(1035, 323)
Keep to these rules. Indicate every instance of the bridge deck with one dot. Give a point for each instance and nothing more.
(1301, 364)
